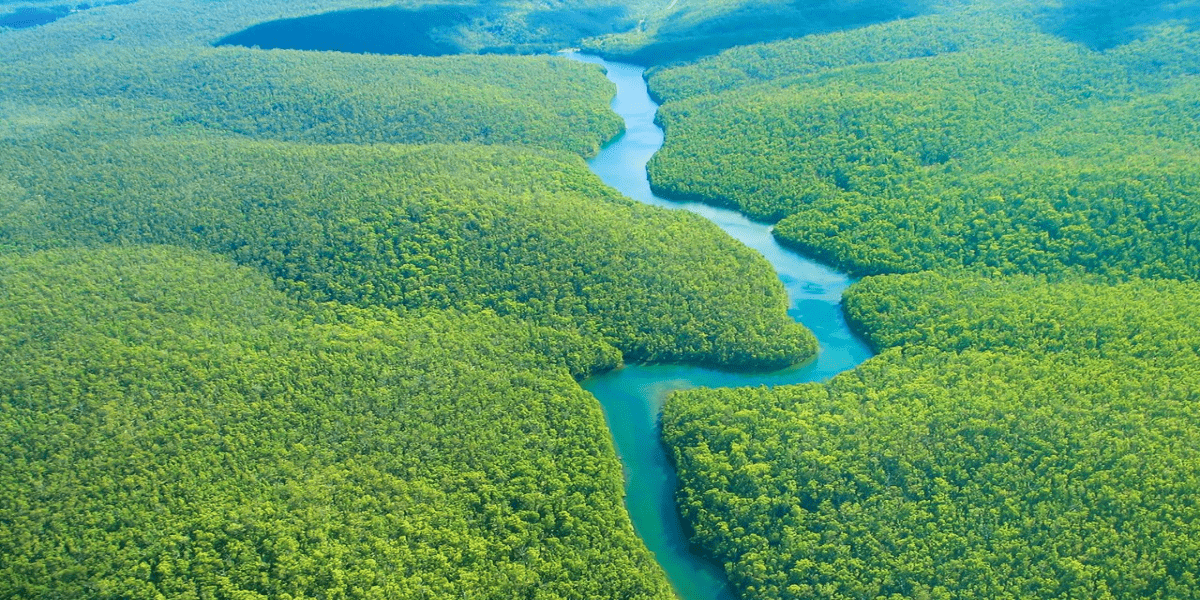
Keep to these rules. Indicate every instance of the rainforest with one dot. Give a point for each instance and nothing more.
(765, 300)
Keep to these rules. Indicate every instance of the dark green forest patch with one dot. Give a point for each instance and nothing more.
(614, 30)
(705, 30)
(33, 16)
(570, 25)
(367, 31)
(438, 29)
(1103, 24)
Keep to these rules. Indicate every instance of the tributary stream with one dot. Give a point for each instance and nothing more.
(633, 396)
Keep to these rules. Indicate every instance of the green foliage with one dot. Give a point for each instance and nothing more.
(1135, 320)
(648, 31)
(380, 401)
(524, 26)
(1081, 202)
(1020, 437)
(438, 30)
(1014, 153)
(152, 62)
(519, 232)
(1016, 439)
(687, 29)
(925, 474)
(330, 97)
(336, 98)
(1103, 24)
(174, 427)
(908, 39)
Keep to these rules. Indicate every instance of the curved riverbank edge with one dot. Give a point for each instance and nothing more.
(632, 396)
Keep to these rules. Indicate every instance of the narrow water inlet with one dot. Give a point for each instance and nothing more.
(632, 397)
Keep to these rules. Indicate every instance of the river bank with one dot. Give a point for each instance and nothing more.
(632, 397)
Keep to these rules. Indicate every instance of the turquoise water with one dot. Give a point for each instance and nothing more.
(632, 397)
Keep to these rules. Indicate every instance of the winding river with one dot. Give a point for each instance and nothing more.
(632, 397)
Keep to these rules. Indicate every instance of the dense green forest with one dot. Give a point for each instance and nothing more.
(1030, 428)
(633, 31)
(316, 97)
(309, 324)
(519, 232)
(1015, 439)
(283, 324)
(968, 139)
(1137, 320)
(687, 29)
(176, 427)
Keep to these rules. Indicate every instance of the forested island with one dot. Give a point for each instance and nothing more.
(292, 320)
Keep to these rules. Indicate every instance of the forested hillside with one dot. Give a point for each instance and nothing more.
(519, 232)
(318, 97)
(308, 323)
(683, 30)
(1030, 428)
(1016, 439)
(746, 66)
(971, 139)
(175, 427)
(282, 324)
(643, 31)
(461, 26)
(1138, 319)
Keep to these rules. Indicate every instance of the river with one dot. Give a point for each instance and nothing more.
(632, 397)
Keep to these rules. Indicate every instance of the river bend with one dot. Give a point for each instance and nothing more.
(632, 397)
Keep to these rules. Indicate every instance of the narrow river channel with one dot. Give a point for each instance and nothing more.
(632, 397)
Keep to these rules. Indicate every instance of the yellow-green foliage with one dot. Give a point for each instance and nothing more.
(1023, 440)
(174, 427)
(521, 232)
(1019, 154)
(1019, 437)
(1139, 319)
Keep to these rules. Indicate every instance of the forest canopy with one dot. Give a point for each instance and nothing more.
(520, 232)
(176, 427)
(287, 324)
(934, 143)
(1015, 439)
(688, 29)
(284, 323)
(1029, 428)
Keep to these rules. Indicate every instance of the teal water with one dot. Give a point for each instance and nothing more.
(632, 397)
